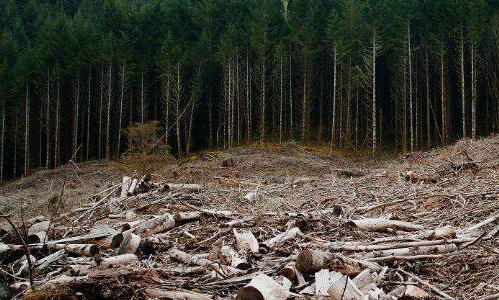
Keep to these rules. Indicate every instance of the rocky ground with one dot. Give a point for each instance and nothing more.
(422, 225)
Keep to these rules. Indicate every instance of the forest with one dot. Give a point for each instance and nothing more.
(383, 75)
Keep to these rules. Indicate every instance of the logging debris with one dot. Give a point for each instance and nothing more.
(387, 238)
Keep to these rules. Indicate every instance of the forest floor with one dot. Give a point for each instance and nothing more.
(269, 190)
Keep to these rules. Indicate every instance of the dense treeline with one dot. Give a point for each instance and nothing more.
(379, 74)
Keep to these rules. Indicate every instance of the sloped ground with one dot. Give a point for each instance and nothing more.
(456, 186)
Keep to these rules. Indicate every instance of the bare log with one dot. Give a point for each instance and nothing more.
(291, 233)
(187, 258)
(343, 288)
(125, 185)
(37, 233)
(187, 216)
(155, 225)
(119, 260)
(262, 287)
(311, 261)
(383, 224)
(187, 187)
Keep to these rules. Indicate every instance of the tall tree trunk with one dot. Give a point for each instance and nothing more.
(122, 98)
(461, 74)
(101, 103)
(166, 95)
(262, 104)
(48, 127)
(428, 101)
(108, 123)
(348, 131)
(2, 140)
(76, 115)
(57, 150)
(88, 111)
(26, 132)
(177, 111)
(321, 109)
(291, 129)
(357, 117)
(238, 101)
(248, 102)
(16, 133)
(142, 117)
(280, 100)
(473, 93)
(411, 104)
(333, 122)
(230, 132)
(304, 102)
(374, 115)
(442, 97)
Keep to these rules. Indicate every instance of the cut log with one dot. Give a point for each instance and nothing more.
(416, 293)
(291, 233)
(439, 249)
(119, 260)
(79, 270)
(154, 225)
(187, 216)
(343, 289)
(88, 250)
(125, 185)
(187, 258)
(311, 261)
(130, 243)
(291, 272)
(175, 294)
(262, 287)
(246, 241)
(383, 224)
(446, 232)
(230, 257)
(48, 260)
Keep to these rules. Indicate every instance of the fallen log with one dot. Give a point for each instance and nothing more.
(37, 233)
(119, 260)
(125, 185)
(439, 249)
(291, 233)
(311, 261)
(154, 225)
(187, 258)
(383, 224)
(187, 187)
(262, 287)
(187, 216)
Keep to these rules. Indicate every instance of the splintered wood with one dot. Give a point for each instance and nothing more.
(165, 240)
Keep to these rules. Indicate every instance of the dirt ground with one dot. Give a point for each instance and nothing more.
(456, 186)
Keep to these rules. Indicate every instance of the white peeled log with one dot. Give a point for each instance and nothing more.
(364, 281)
(155, 225)
(118, 260)
(383, 224)
(289, 234)
(48, 260)
(187, 216)
(187, 258)
(79, 270)
(446, 232)
(24, 265)
(311, 261)
(439, 249)
(125, 185)
(130, 243)
(343, 289)
(230, 257)
(88, 250)
(284, 282)
(291, 272)
(262, 287)
(246, 241)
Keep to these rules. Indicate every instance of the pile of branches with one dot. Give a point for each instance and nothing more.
(142, 239)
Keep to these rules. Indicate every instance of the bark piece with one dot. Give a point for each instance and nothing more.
(322, 282)
(382, 224)
(246, 241)
(262, 287)
(37, 233)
